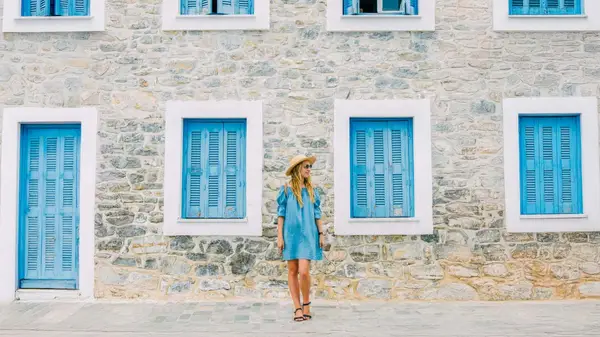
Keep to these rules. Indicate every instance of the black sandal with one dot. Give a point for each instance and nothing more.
(296, 318)
(306, 316)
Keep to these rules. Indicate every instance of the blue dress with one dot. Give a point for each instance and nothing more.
(300, 232)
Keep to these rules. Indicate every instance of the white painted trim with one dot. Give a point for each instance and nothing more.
(420, 112)
(587, 108)
(9, 191)
(176, 112)
(14, 22)
(172, 20)
(338, 22)
(588, 21)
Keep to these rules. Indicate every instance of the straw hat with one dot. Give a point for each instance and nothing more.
(298, 160)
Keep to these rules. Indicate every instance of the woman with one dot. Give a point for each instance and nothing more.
(299, 234)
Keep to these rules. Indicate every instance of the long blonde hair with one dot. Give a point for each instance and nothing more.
(296, 183)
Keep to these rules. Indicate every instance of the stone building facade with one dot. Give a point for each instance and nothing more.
(298, 70)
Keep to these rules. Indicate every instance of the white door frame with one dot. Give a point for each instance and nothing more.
(9, 192)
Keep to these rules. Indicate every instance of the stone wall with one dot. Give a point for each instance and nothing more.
(298, 69)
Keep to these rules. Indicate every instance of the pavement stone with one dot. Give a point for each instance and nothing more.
(270, 319)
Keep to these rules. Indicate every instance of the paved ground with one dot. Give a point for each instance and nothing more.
(270, 319)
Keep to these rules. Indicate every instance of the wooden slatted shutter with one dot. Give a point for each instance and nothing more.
(401, 169)
(380, 172)
(31, 248)
(35, 8)
(196, 7)
(193, 171)
(550, 165)
(225, 7)
(360, 190)
(234, 171)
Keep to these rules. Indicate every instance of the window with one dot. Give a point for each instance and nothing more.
(215, 15)
(546, 15)
(214, 169)
(545, 7)
(550, 156)
(551, 168)
(382, 168)
(53, 16)
(222, 7)
(366, 7)
(55, 8)
(380, 15)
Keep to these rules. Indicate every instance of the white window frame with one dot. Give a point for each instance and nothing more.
(587, 109)
(383, 22)
(172, 20)
(13, 118)
(175, 114)
(13, 22)
(420, 112)
(589, 20)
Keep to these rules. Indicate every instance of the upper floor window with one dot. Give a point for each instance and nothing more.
(369, 7)
(550, 160)
(217, 7)
(55, 8)
(545, 7)
(381, 168)
(214, 175)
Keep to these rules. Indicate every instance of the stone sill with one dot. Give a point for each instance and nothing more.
(54, 18)
(554, 216)
(583, 16)
(47, 295)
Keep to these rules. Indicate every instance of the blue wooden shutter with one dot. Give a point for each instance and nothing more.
(244, 7)
(196, 7)
(69, 204)
(213, 156)
(550, 165)
(51, 212)
(414, 8)
(350, 7)
(225, 7)
(35, 8)
(380, 150)
(545, 7)
(359, 170)
(401, 167)
(80, 8)
(529, 148)
(193, 171)
(569, 168)
(234, 170)
(61, 7)
(31, 248)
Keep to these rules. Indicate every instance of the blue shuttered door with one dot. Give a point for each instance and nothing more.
(225, 6)
(545, 7)
(550, 160)
(49, 212)
(214, 185)
(381, 168)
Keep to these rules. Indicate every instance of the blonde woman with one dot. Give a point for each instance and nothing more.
(299, 233)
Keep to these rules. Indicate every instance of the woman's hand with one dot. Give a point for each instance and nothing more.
(321, 240)
(280, 243)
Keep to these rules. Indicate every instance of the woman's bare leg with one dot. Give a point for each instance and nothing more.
(304, 270)
(293, 285)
